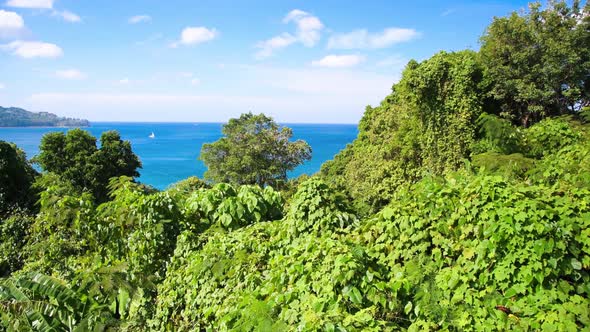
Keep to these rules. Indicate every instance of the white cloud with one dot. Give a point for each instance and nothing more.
(2, 86)
(196, 35)
(38, 4)
(308, 33)
(339, 61)
(308, 26)
(139, 19)
(11, 20)
(70, 74)
(67, 16)
(11, 24)
(124, 81)
(195, 81)
(295, 13)
(362, 39)
(33, 49)
(267, 47)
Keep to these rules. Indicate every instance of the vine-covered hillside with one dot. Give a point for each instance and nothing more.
(463, 205)
(530, 67)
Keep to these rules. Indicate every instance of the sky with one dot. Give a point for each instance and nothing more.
(207, 61)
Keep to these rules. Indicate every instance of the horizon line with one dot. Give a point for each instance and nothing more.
(219, 122)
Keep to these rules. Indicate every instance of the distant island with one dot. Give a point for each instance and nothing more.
(18, 117)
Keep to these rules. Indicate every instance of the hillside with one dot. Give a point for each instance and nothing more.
(18, 117)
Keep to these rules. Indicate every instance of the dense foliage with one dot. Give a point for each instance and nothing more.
(537, 64)
(75, 157)
(531, 66)
(16, 180)
(18, 117)
(425, 126)
(456, 209)
(254, 150)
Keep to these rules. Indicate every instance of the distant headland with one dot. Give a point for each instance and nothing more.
(18, 117)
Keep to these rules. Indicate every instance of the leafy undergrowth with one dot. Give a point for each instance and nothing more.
(469, 252)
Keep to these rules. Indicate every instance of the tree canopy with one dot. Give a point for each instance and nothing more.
(16, 179)
(537, 63)
(253, 150)
(75, 157)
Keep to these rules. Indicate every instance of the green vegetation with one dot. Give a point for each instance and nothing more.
(530, 67)
(254, 150)
(458, 208)
(16, 180)
(425, 126)
(537, 64)
(18, 117)
(75, 158)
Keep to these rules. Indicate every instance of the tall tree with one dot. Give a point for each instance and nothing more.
(254, 150)
(75, 157)
(68, 155)
(538, 63)
(114, 158)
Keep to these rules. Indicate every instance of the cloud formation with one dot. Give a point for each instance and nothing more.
(267, 47)
(67, 16)
(34, 4)
(33, 49)
(362, 39)
(339, 61)
(139, 19)
(308, 26)
(196, 35)
(308, 33)
(11, 24)
(70, 74)
(11, 20)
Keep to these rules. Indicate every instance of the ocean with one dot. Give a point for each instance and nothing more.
(172, 155)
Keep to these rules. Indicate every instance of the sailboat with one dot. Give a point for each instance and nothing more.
(152, 135)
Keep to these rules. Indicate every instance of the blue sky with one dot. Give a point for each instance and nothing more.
(193, 61)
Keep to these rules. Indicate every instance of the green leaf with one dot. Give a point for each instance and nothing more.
(355, 295)
(576, 264)
(408, 308)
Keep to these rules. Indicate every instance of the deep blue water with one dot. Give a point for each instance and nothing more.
(173, 154)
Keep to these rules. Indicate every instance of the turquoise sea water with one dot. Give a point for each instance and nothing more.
(173, 154)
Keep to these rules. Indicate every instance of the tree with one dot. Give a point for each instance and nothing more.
(538, 64)
(16, 178)
(114, 158)
(75, 157)
(254, 150)
(69, 156)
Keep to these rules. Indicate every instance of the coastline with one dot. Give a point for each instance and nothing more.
(44, 127)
